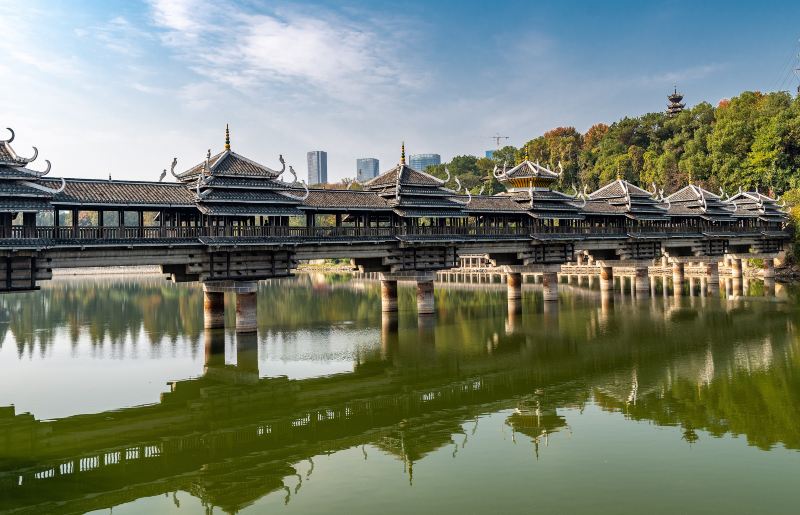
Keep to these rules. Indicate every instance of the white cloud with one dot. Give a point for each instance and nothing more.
(286, 51)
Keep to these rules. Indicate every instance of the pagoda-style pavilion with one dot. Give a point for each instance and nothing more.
(675, 105)
(21, 192)
(620, 203)
(418, 198)
(694, 206)
(232, 190)
(529, 185)
(756, 210)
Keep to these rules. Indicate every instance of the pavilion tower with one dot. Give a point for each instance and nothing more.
(675, 105)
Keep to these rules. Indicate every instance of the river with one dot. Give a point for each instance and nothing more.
(112, 396)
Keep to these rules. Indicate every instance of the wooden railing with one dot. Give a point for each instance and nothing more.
(321, 233)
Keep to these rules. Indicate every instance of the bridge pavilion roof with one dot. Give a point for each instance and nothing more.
(229, 184)
(111, 193)
(530, 184)
(20, 187)
(621, 198)
(414, 194)
(752, 204)
(694, 201)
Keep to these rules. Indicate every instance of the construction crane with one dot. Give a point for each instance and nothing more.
(497, 137)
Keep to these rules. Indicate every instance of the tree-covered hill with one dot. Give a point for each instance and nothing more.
(750, 141)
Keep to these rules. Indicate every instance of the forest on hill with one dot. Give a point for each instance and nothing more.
(751, 141)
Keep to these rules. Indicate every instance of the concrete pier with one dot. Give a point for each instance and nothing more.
(606, 278)
(769, 269)
(388, 295)
(736, 267)
(641, 284)
(514, 282)
(246, 312)
(425, 303)
(550, 286)
(677, 279)
(213, 309)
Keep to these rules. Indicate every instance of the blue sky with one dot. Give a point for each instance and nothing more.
(121, 87)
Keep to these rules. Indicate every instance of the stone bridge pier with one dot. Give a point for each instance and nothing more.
(246, 304)
(549, 275)
(425, 300)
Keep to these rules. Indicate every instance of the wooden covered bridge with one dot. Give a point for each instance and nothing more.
(230, 221)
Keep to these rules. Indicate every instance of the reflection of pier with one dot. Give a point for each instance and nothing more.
(230, 437)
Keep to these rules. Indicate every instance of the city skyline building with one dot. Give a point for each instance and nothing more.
(317, 167)
(421, 161)
(367, 168)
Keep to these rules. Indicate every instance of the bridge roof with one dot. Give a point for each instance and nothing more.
(407, 177)
(621, 198)
(752, 204)
(695, 201)
(102, 192)
(230, 164)
(345, 200)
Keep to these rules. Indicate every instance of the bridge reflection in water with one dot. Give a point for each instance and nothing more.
(233, 436)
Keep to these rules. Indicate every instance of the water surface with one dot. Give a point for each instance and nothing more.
(113, 396)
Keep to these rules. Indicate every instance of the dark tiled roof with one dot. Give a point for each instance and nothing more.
(10, 172)
(432, 213)
(9, 157)
(248, 183)
(751, 204)
(121, 193)
(16, 189)
(408, 177)
(497, 204)
(345, 200)
(623, 198)
(258, 196)
(528, 169)
(697, 202)
(231, 164)
(16, 205)
(247, 210)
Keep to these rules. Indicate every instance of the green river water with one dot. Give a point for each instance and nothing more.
(114, 398)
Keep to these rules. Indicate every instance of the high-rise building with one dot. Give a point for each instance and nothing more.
(367, 168)
(317, 167)
(489, 154)
(422, 161)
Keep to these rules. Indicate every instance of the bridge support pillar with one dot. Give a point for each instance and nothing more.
(736, 268)
(213, 309)
(246, 312)
(388, 295)
(550, 286)
(641, 283)
(425, 303)
(769, 269)
(514, 281)
(712, 272)
(677, 279)
(606, 278)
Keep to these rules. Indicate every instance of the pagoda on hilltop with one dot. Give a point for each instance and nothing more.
(675, 105)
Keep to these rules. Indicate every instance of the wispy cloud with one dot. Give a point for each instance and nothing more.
(119, 35)
(683, 75)
(325, 54)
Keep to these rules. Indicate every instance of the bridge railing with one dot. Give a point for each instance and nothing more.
(348, 232)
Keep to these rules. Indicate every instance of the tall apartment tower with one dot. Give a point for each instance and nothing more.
(367, 168)
(317, 167)
(420, 162)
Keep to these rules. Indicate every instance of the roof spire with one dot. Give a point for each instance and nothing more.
(227, 138)
(403, 153)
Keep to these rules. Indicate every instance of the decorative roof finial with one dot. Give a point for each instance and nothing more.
(403, 153)
(227, 138)
(525, 156)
